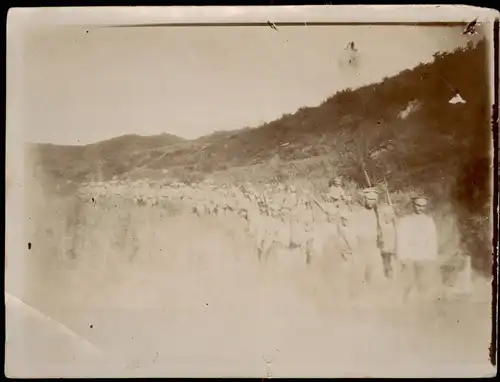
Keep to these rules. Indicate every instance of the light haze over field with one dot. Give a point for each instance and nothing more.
(149, 278)
(84, 87)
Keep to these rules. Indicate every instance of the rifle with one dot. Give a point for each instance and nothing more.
(266, 203)
(388, 196)
(387, 256)
(377, 215)
(312, 196)
(321, 208)
(311, 181)
(387, 192)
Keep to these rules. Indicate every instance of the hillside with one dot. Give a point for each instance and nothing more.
(427, 136)
(403, 129)
(103, 159)
(332, 128)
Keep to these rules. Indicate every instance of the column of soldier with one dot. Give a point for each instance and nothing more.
(376, 244)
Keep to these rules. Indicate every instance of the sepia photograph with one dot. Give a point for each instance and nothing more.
(265, 192)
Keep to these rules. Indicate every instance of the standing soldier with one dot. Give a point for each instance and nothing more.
(417, 250)
(387, 220)
(290, 204)
(264, 229)
(361, 234)
(307, 221)
(336, 193)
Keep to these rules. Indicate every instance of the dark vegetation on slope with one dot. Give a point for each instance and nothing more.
(441, 148)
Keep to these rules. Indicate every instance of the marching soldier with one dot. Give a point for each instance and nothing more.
(290, 205)
(263, 228)
(198, 208)
(307, 221)
(417, 250)
(387, 221)
(336, 193)
(360, 230)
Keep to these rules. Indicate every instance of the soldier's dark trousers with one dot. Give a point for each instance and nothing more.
(421, 277)
(367, 272)
(387, 259)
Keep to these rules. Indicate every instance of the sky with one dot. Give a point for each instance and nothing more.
(85, 85)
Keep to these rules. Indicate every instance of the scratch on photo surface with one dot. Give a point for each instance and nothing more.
(470, 29)
(272, 25)
(14, 301)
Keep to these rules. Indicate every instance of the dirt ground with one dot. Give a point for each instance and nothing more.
(179, 296)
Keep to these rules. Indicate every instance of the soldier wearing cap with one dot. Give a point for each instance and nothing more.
(417, 250)
(307, 219)
(360, 231)
(290, 204)
(387, 221)
(254, 216)
(264, 231)
(336, 193)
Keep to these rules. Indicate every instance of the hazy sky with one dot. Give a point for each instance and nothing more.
(84, 87)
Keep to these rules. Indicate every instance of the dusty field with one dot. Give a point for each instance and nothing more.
(183, 296)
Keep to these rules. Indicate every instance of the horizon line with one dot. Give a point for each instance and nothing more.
(348, 89)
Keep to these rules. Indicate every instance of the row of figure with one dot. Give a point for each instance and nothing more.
(382, 246)
(375, 243)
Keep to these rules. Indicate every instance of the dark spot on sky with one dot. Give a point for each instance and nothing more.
(29, 245)
(91, 326)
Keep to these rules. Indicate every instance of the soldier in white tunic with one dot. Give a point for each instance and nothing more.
(262, 228)
(199, 208)
(307, 220)
(417, 251)
(387, 220)
(336, 194)
(361, 233)
(290, 204)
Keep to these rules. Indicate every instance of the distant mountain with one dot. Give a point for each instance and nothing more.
(102, 160)
(137, 142)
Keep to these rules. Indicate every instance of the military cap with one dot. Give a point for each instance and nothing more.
(370, 193)
(335, 179)
(420, 199)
